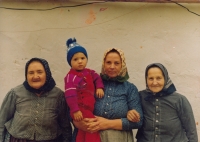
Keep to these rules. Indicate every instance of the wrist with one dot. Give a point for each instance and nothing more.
(105, 124)
(114, 124)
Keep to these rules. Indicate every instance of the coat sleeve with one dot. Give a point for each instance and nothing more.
(133, 101)
(71, 96)
(187, 119)
(7, 112)
(64, 119)
(97, 80)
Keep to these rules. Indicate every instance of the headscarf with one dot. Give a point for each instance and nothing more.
(49, 84)
(123, 74)
(168, 88)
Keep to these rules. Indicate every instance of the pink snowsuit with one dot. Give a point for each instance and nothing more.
(79, 93)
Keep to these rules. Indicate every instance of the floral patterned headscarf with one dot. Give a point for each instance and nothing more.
(123, 74)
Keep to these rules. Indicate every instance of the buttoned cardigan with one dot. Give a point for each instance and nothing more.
(26, 116)
(167, 118)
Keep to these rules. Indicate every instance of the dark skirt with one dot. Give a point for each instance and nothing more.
(12, 139)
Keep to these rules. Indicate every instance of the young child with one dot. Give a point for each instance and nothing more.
(80, 86)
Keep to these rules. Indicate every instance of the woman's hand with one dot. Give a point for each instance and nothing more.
(87, 124)
(99, 123)
(105, 124)
(133, 115)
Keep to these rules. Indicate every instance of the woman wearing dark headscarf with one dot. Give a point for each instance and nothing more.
(35, 111)
(120, 96)
(168, 116)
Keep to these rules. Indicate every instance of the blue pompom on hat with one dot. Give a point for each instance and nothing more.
(73, 48)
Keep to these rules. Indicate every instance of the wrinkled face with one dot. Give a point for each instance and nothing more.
(79, 61)
(36, 75)
(155, 79)
(112, 64)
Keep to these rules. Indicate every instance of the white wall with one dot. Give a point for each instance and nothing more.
(147, 32)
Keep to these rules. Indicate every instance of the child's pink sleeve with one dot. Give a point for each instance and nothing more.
(71, 95)
(97, 80)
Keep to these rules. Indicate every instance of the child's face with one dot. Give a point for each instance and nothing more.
(79, 61)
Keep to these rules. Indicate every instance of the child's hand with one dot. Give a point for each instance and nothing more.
(78, 116)
(99, 93)
(133, 115)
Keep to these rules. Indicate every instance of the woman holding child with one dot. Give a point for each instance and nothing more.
(120, 96)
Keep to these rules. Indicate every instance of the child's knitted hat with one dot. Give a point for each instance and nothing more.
(73, 48)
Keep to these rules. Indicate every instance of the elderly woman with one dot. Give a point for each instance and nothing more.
(35, 111)
(168, 116)
(120, 96)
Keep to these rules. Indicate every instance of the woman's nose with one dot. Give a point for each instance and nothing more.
(154, 81)
(35, 75)
(112, 66)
